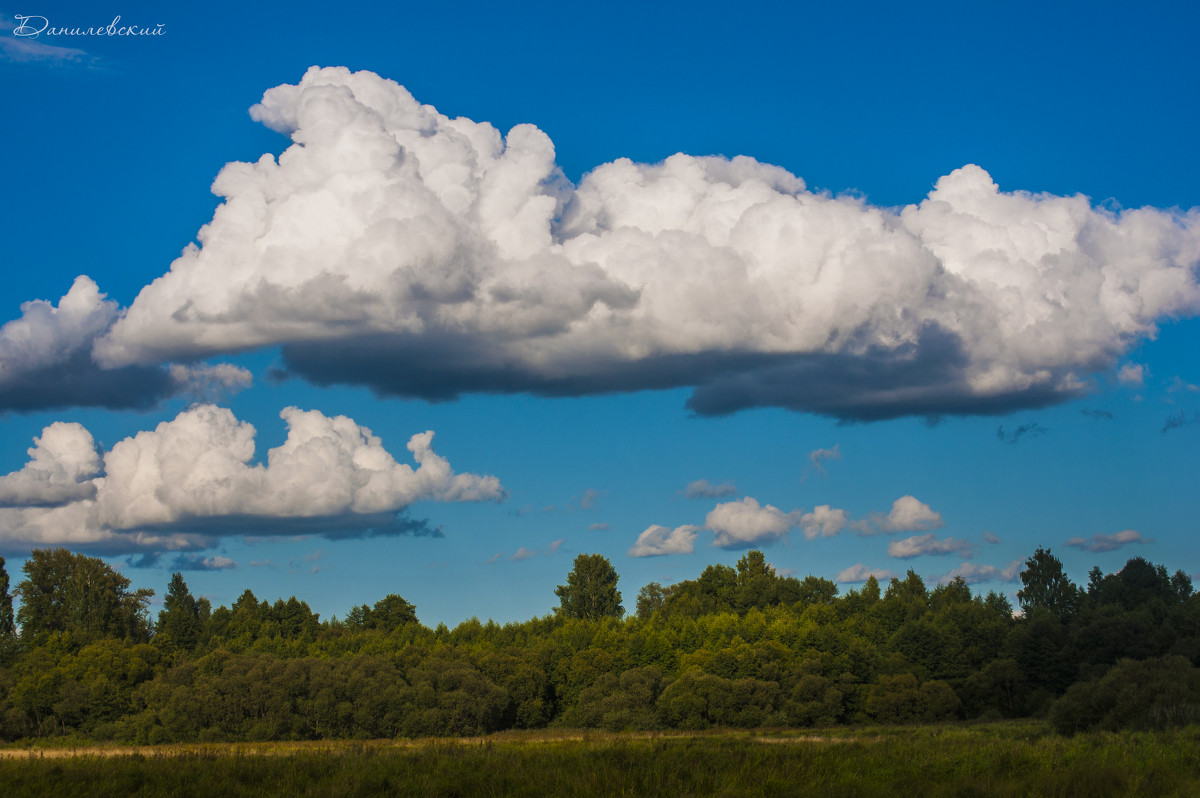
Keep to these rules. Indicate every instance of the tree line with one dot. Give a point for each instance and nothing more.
(737, 646)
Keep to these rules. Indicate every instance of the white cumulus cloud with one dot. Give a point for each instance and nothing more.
(658, 540)
(908, 514)
(824, 521)
(61, 464)
(745, 523)
(423, 255)
(46, 360)
(191, 479)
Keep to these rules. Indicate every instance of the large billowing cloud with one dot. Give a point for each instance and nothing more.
(396, 247)
(191, 479)
(46, 360)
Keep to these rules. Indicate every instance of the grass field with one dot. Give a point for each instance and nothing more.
(1004, 759)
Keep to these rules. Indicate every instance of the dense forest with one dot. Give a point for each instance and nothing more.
(737, 646)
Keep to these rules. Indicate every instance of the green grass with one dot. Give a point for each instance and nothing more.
(1006, 759)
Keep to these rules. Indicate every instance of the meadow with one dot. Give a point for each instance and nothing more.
(1018, 758)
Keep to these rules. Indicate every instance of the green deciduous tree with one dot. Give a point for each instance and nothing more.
(70, 593)
(7, 623)
(591, 589)
(1046, 585)
(650, 598)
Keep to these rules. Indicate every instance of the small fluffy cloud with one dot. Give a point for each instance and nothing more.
(703, 489)
(824, 521)
(422, 255)
(819, 456)
(191, 479)
(658, 540)
(919, 545)
(207, 382)
(861, 573)
(908, 514)
(1100, 543)
(745, 523)
(974, 572)
(589, 498)
(1133, 374)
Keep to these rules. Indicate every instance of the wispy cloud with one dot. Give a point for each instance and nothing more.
(1030, 430)
(976, 572)
(1180, 419)
(927, 544)
(526, 553)
(1101, 543)
(817, 458)
(860, 573)
(17, 45)
(703, 489)
(589, 498)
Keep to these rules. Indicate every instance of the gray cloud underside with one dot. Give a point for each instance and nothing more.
(923, 379)
(331, 527)
(78, 382)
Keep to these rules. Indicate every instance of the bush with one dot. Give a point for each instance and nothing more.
(1148, 694)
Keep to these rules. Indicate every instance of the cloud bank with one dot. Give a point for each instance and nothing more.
(427, 256)
(191, 480)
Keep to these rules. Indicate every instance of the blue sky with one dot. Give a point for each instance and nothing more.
(959, 388)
